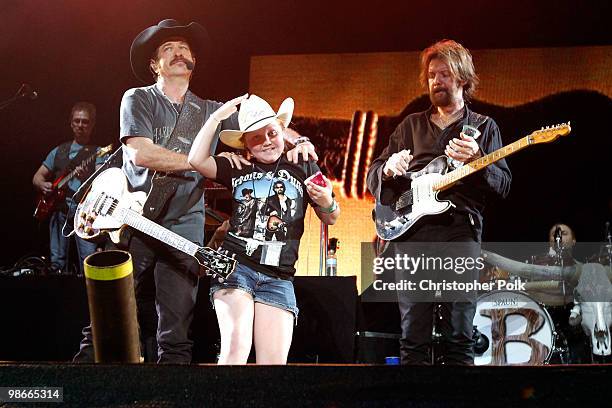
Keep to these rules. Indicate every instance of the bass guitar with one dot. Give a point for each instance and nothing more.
(396, 212)
(108, 207)
(48, 203)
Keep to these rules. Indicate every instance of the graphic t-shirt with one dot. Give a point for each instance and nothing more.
(267, 222)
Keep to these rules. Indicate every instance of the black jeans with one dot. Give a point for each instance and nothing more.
(417, 315)
(166, 286)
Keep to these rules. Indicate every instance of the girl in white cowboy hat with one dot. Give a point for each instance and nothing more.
(257, 302)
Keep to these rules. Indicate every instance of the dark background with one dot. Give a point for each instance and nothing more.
(79, 50)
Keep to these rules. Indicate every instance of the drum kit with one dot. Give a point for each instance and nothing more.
(532, 327)
(214, 193)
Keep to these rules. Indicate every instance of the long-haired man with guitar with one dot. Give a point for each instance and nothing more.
(447, 72)
(59, 177)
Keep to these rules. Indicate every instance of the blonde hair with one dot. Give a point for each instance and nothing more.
(458, 59)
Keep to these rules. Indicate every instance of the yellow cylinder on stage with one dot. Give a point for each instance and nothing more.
(112, 307)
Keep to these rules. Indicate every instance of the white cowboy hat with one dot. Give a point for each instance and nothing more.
(255, 113)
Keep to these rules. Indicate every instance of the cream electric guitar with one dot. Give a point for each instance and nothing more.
(108, 207)
(395, 213)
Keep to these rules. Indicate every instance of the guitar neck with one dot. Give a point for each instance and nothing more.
(137, 221)
(454, 176)
(64, 180)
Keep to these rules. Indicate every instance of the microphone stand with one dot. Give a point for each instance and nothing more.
(20, 94)
(559, 252)
(9, 101)
(609, 244)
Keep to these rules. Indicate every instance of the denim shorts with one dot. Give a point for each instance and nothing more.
(264, 288)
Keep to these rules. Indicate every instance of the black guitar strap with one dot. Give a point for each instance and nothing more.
(164, 185)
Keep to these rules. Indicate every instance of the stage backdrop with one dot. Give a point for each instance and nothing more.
(350, 103)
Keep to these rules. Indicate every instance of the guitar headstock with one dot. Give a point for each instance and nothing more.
(105, 150)
(215, 263)
(550, 133)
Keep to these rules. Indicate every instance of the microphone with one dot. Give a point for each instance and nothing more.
(558, 237)
(189, 64)
(607, 233)
(26, 91)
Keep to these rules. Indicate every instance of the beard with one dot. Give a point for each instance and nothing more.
(440, 97)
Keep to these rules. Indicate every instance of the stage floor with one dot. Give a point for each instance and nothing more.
(203, 385)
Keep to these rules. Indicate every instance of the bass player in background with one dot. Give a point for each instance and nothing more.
(63, 159)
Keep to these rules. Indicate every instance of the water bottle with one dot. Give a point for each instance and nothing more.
(331, 263)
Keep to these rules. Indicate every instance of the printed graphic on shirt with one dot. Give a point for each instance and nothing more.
(161, 134)
(267, 208)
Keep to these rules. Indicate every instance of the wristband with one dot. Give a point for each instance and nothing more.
(330, 209)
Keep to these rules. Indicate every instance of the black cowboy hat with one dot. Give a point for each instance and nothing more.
(145, 43)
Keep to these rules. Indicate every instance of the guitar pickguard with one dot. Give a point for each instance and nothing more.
(411, 198)
(108, 194)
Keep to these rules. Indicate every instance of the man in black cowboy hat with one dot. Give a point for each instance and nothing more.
(158, 124)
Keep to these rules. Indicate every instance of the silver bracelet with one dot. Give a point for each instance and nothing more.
(300, 140)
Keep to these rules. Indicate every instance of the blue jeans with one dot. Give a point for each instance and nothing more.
(265, 289)
(59, 244)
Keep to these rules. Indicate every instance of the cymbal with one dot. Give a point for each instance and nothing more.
(603, 257)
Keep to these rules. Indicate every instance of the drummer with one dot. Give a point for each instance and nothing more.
(562, 240)
(559, 299)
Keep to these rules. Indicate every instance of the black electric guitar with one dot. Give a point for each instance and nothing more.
(108, 207)
(396, 212)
